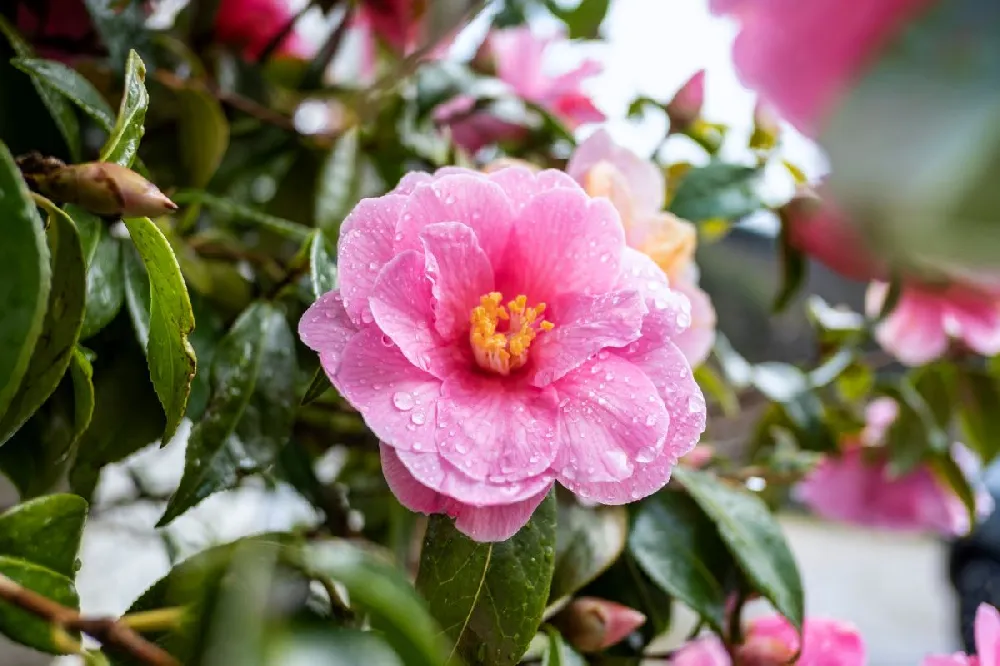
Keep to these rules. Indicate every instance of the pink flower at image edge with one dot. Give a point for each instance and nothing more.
(987, 634)
(250, 25)
(482, 396)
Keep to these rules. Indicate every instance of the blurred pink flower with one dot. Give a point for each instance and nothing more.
(773, 641)
(250, 25)
(590, 624)
(987, 631)
(396, 22)
(919, 328)
(705, 651)
(637, 189)
(857, 487)
(519, 59)
(802, 56)
(685, 107)
(817, 228)
(481, 406)
(472, 129)
(57, 29)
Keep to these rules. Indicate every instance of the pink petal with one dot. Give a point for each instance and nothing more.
(497, 428)
(410, 181)
(401, 305)
(707, 651)
(570, 82)
(914, 331)
(957, 659)
(412, 494)
(325, 328)
(468, 198)
(646, 183)
(495, 523)
(433, 471)
(666, 367)
(395, 398)
(975, 317)
(668, 308)
(522, 185)
(696, 342)
(365, 246)
(519, 56)
(562, 242)
(460, 273)
(612, 418)
(987, 629)
(584, 326)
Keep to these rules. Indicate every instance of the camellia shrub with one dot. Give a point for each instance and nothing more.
(402, 285)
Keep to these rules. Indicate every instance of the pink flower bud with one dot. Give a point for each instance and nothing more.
(766, 129)
(591, 624)
(685, 107)
(102, 188)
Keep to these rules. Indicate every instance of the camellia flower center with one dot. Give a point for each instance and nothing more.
(500, 336)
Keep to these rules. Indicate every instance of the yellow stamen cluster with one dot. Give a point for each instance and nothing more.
(503, 351)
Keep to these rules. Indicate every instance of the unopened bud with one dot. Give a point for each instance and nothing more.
(685, 108)
(102, 188)
(766, 129)
(590, 624)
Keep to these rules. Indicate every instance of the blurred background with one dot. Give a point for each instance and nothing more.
(894, 588)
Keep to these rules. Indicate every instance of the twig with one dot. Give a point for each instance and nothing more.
(326, 53)
(107, 630)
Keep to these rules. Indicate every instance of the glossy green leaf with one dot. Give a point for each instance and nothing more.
(717, 191)
(588, 541)
(62, 113)
(557, 653)
(330, 646)
(203, 134)
(60, 328)
(978, 407)
(679, 548)
(794, 268)
(45, 531)
(915, 433)
(319, 385)
(171, 358)
(123, 144)
(322, 265)
(584, 20)
(339, 184)
(385, 594)
(489, 597)
(753, 537)
(22, 626)
(105, 284)
(951, 474)
(205, 338)
(245, 214)
(71, 85)
(25, 276)
(127, 417)
(251, 411)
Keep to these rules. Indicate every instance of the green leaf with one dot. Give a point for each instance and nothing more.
(172, 362)
(62, 113)
(978, 407)
(68, 83)
(339, 184)
(794, 268)
(322, 265)
(626, 583)
(489, 597)
(35, 458)
(280, 226)
(679, 548)
(45, 531)
(557, 653)
(588, 541)
(123, 144)
(105, 284)
(951, 474)
(713, 385)
(385, 594)
(22, 626)
(717, 191)
(127, 417)
(203, 134)
(25, 276)
(915, 433)
(584, 20)
(60, 328)
(330, 646)
(753, 537)
(319, 385)
(250, 415)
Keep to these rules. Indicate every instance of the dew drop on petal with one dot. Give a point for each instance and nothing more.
(650, 420)
(387, 341)
(403, 401)
(418, 418)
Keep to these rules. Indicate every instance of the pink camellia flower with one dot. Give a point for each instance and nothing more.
(987, 631)
(920, 326)
(772, 641)
(685, 108)
(519, 58)
(637, 189)
(590, 624)
(856, 486)
(802, 56)
(818, 229)
(57, 29)
(497, 335)
(250, 25)
(396, 22)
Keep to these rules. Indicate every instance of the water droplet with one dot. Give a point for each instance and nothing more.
(387, 341)
(694, 405)
(418, 418)
(399, 236)
(417, 446)
(366, 316)
(603, 355)
(650, 420)
(372, 266)
(605, 257)
(609, 376)
(403, 401)
(645, 455)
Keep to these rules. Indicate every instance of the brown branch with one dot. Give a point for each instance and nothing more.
(107, 630)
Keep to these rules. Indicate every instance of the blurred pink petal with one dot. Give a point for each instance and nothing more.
(685, 107)
(987, 631)
(706, 651)
(696, 342)
(250, 25)
(772, 640)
